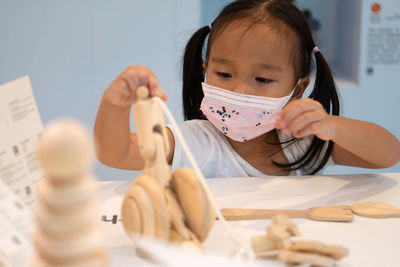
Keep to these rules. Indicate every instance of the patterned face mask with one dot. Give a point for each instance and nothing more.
(241, 117)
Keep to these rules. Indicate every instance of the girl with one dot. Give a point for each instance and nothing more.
(257, 60)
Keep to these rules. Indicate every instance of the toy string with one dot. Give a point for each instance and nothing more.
(248, 252)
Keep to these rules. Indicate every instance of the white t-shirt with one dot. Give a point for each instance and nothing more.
(216, 157)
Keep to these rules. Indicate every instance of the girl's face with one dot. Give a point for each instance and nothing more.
(253, 60)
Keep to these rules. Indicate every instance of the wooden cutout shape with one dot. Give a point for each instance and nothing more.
(327, 213)
(305, 258)
(334, 251)
(375, 210)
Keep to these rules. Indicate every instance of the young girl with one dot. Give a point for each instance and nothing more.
(242, 102)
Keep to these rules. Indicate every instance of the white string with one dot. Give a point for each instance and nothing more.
(242, 243)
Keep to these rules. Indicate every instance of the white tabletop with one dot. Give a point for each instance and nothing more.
(372, 242)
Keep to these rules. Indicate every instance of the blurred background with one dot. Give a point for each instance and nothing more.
(72, 50)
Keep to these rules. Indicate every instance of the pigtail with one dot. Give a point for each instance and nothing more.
(324, 92)
(193, 75)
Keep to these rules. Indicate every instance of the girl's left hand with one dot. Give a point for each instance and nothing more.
(304, 117)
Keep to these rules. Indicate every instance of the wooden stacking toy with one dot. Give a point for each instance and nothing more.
(170, 207)
(68, 231)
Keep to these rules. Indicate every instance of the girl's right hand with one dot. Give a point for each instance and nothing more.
(122, 91)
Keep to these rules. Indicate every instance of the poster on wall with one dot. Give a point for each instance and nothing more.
(383, 33)
(20, 127)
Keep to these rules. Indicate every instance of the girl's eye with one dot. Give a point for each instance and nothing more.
(263, 80)
(224, 74)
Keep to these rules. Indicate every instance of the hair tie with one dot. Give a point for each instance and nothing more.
(210, 26)
(315, 49)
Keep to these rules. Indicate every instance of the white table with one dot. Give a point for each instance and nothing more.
(372, 242)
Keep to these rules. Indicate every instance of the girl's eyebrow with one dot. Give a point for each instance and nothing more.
(259, 65)
(269, 67)
(220, 60)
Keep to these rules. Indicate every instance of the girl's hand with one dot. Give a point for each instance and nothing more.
(304, 117)
(122, 91)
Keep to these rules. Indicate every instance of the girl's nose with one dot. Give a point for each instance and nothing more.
(239, 87)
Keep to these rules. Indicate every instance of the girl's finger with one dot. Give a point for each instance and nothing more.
(304, 119)
(148, 78)
(154, 87)
(131, 82)
(295, 108)
(309, 129)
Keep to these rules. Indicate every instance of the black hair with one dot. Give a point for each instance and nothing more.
(269, 12)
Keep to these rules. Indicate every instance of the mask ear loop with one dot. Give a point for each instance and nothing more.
(246, 253)
(291, 94)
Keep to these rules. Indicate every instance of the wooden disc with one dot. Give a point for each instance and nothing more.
(145, 206)
(156, 194)
(131, 218)
(194, 202)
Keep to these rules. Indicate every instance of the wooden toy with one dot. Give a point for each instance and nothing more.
(65, 151)
(160, 205)
(305, 258)
(328, 213)
(278, 235)
(375, 210)
(144, 209)
(277, 243)
(152, 136)
(68, 231)
(334, 251)
(193, 200)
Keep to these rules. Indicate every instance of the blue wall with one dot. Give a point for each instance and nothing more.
(73, 49)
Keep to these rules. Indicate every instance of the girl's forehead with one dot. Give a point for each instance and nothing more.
(255, 40)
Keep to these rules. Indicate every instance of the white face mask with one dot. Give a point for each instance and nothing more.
(241, 117)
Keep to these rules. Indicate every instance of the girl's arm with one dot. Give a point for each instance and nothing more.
(115, 145)
(357, 143)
